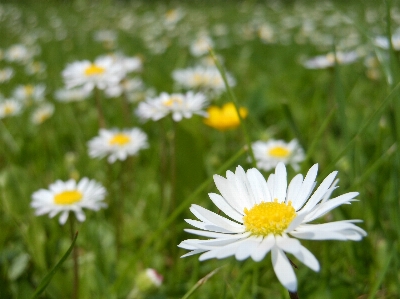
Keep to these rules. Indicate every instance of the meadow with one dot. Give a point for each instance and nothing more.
(342, 108)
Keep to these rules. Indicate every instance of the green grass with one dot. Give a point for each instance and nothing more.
(345, 121)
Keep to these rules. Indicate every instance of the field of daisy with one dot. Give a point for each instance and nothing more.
(159, 150)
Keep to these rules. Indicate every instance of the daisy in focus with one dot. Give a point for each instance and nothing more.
(117, 144)
(269, 153)
(178, 105)
(101, 73)
(224, 118)
(269, 216)
(70, 196)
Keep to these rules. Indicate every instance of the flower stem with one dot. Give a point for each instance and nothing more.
(75, 290)
(235, 102)
(101, 119)
(293, 295)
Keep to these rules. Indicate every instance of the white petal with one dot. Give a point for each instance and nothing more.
(320, 192)
(196, 251)
(213, 218)
(283, 269)
(288, 244)
(213, 228)
(63, 218)
(329, 205)
(263, 248)
(294, 187)
(247, 248)
(259, 186)
(226, 188)
(280, 183)
(306, 188)
(224, 206)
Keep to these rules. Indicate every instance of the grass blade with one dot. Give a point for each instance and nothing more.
(46, 280)
(200, 283)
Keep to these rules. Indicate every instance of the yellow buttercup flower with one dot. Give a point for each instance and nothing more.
(224, 118)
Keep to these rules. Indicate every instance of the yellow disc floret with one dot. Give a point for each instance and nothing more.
(173, 101)
(120, 139)
(268, 218)
(279, 152)
(68, 197)
(93, 70)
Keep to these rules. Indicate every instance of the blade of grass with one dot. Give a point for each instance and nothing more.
(175, 214)
(46, 280)
(200, 283)
(363, 127)
(235, 102)
(382, 274)
(292, 124)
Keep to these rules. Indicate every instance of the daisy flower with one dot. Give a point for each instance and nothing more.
(10, 107)
(70, 196)
(28, 93)
(269, 216)
(383, 41)
(206, 78)
(117, 144)
(71, 95)
(6, 74)
(269, 153)
(101, 73)
(42, 113)
(178, 105)
(224, 118)
(328, 60)
(201, 45)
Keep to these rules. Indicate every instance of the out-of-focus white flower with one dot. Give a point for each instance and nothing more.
(28, 93)
(19, 53)
(172, 17)
(328, 60)
(205, 78)
(201, 45)
(126, 86)
(70, 196)
(269, 153)
(178, 105)
(6, 74)
(117, 144)
(107, 37)
(102, 73)
(10, 107)
(383, 41)
(35, 67)
(72, 95)
(42, 113)
(127, 64)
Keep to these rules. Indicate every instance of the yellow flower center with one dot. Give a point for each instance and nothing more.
(120, 139)
(68, 197)
(8, 109)
(268, 218)
(28, 90)
(279, 152)
(93, 70)
(172, 101)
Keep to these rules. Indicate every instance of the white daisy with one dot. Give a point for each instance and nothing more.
(328, 60)
(10, 107)
(269, 153)
(71, 95)
(6, 74)
(29, 92)
(42, 113)
(265, 213)
(201, 45)
(206, 78)
(101, 73)
(178, 105)
(117, 144)
(70, 196)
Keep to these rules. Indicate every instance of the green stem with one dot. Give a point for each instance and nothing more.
(100, 114)
(75, 289)
(235, 102)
